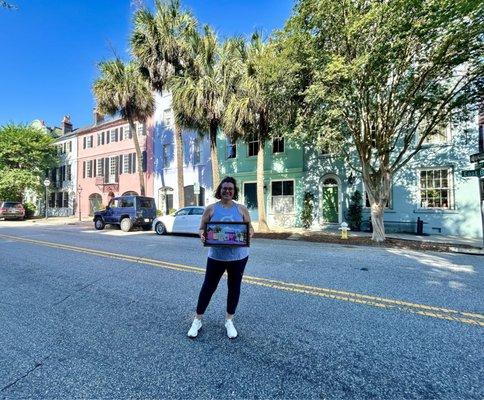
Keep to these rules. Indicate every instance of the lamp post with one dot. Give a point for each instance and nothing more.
(46, 184)
(79, 191)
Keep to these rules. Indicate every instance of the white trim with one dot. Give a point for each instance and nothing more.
(450, 183)
(340, 198)
(293, 195)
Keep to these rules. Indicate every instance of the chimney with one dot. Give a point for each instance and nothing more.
(66, 125)
(98, 117)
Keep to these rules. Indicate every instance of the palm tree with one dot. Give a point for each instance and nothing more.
(247, 115)
(159, 43)
(198, 94)
(122, 89)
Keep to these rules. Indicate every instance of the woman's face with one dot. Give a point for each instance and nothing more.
(227, 191)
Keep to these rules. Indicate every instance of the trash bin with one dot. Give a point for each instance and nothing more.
(419, 226)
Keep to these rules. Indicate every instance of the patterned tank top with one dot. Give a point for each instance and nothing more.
(225, 253)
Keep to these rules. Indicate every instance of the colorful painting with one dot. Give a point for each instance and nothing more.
(222, 233)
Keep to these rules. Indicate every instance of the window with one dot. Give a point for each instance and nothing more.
(114, 135)
(231, 150)
(112, 166)
(70, 146)
(183, 211)
(121, 136)
(389, 201)
(100, 164)
(66, 200)
(441, 134)
(89, 169)
(127, 132)
(436, 188)
(196, 152)
(282, 196)
(88, 142)
(141, 129)
(278, 145)
(127, 203)
(253, 147)
(58, 201)
(167, 117)
(167, 155)
(126, 159)
(196, 211)
(69, 172)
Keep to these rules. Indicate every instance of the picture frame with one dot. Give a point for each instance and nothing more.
(227, 233)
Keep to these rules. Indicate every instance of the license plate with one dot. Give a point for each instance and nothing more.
(147, 220)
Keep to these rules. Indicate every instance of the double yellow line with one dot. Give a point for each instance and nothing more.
(373, 301)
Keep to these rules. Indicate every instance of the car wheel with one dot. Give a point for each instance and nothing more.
(160, 228)
(99, 224)
(126, 224)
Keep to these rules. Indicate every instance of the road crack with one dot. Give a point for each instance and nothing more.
(37, 364)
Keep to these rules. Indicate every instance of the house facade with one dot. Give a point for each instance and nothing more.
(197, 169)
(430, 188)
(107, 164)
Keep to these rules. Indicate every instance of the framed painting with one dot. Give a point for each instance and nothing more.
(224, 233)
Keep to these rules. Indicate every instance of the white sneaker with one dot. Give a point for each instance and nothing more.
(196, 326)
(231, 331)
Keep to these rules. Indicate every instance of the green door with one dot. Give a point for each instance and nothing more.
(330, 201)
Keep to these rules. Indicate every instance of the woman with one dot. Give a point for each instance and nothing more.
(221, 259)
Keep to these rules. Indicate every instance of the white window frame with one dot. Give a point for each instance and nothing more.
(113, 135)
(285, 211)
(100, 167)
(112, 169)
(440, 136)
(126, 158)
(126, 132)
(89, 169)
(449, 188)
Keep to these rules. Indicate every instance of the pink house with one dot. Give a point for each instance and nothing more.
(107, 164)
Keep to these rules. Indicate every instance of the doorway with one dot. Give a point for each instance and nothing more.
(330, 201)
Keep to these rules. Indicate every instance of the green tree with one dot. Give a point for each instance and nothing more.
(380, 77)
(355, 210)
(199, 93)
(252, 106)
(160, 43)
(25, 154)
(122, 89)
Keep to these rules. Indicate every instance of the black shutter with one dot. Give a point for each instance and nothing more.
(144, 160)
(134, 163)
(121, 133)
(116, 135)
(102, 137)
(130, 133)
(130, 163)
(120, 169)
(94, 169)
(84, 169)
(84, 142)
(108, 138)
(106, 170)
(116, 169)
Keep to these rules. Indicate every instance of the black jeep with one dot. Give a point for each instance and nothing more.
(127, 211)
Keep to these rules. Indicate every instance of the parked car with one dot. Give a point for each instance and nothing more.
(127, 212)
(185, 220)
(12, 210)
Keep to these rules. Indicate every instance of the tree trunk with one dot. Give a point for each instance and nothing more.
(179, 166)
(139, 160)
(261, 202)
(214, 155)
(377, 185)
(377, 213)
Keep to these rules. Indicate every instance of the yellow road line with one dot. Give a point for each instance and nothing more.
(471, 318)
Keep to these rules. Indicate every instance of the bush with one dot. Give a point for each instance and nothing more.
(354, 213)
(159, 213)
(30, 209)
(307, 211)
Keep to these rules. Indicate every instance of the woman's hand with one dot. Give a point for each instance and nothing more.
(201, 233)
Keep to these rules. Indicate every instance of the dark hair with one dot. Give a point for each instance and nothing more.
(227, 179)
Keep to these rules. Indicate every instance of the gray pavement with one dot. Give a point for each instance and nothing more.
(80, 324)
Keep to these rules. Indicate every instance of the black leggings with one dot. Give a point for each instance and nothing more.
(215, 270)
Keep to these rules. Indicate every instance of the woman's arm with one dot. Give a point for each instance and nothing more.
(246, 216)
(207, 214)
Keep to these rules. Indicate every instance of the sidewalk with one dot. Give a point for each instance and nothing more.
(447, 243)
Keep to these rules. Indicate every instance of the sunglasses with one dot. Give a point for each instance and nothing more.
(224, 189)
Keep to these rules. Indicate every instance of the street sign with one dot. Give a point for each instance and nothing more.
(477, 157)
(46, 182)
(473, 172)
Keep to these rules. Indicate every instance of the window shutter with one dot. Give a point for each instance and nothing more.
(130, 163)
(84, 142)
(108, 138)
(134, 163)
(94, 171)
(116, 169)
(130, 133)
(116, 135)
(121, 133)
(120, 165)
(84, 169)
(106, 170)
(144, 160)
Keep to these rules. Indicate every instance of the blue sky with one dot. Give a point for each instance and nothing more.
(49, 49)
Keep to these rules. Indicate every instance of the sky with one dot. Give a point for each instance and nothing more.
(49, 50)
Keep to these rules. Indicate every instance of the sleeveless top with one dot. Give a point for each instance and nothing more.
(226, 253)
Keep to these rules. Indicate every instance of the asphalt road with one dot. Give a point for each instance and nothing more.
(88, 314)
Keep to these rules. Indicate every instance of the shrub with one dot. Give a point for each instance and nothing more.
(30, 209)
(354, 213)
(159, 212)
(307, 211)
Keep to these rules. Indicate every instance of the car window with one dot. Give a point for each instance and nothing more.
(10, 203)
(146, 203)
(183, 211)
(127, 203)
(196, 211)
(115, 203)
